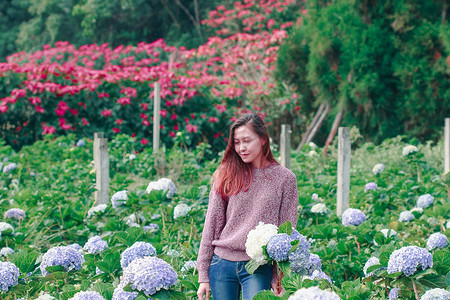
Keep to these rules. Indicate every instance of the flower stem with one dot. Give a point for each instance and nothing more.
(415, 289)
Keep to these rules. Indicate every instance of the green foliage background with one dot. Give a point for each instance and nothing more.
(384, 63)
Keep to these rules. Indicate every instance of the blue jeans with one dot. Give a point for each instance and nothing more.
(227, 278)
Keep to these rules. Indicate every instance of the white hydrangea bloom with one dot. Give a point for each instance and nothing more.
(312, 145)
(391, 232)
(436, 294)
(409, 149)
(313, 292)
(132, 156)
(181, 210)
(417, 209)
(98, 208)
(312, 153)
(257, 238)
(319, 208)
(377, 169)
(45, 297)
(6, 226)
(164, 184)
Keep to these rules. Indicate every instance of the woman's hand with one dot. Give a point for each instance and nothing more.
(203, 289)
(276, 285)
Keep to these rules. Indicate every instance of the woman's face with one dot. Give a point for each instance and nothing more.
(248, 145)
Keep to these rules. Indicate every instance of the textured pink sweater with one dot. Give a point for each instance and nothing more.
(272, 198)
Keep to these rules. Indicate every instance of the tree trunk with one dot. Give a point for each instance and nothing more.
(334, 128)
(306, 136)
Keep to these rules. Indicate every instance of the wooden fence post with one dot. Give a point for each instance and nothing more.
(156, 117)
(343, 175)
(285, 145)
(101, 164)
(447, 146)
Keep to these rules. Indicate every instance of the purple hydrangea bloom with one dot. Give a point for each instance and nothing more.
(81, 143)
(87, 296)
(425, 200)
(9, 275)
(313, 293)
(120, 294)
(295, 235)
(149, 275)
(67, 257)
(9, 167)
(393, 294)
(152, 227)
(15, 213)
(436, 294)
(278, 247)
(406, 216)
(370, 186)
(137, 250)
(437, 240)
(409, 259)
(371, 262)
(119, 198)
(299, 258)
(95, 245)
(318, 275)
(314, 263)
(75, 246)
(353, 216)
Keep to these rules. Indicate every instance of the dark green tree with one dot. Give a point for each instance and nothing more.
(381, 65)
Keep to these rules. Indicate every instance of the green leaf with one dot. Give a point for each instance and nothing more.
(265, 295)
(285, 228)
(434, 281)
(175, 295)
(447, 278)
(373, 268)
(251, 266)
(105, 289)
(67, 295)
(55, 269)
(24, 260)
(441, 261)
(55, 276)
(162, 295)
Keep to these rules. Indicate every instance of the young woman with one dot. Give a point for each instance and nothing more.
(248, 187)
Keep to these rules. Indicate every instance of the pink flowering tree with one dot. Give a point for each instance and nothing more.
(63, 89)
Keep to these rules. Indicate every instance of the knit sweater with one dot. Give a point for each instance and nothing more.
(272, 198)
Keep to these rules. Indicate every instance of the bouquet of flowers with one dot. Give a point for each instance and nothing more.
(268, 243)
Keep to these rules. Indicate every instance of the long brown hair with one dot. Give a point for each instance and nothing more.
(229, 178)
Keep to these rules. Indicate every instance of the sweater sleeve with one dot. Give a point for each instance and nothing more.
(214, 223)
(289, 201)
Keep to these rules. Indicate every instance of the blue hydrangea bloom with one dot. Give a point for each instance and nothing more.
(278, 247)
(314, 263)
(436, 294)
(190, 264)
(87, 296)
(409, 259)
(9, 167)
(370, 186)
(15, 213)
(425, 200)
(81, 143)
(313, 293)
(173, 253)
(152, 227)
(318, 275)
(149, 275)
(299, 258)
(67, 257)
(353, 216)
(9, 275)
(393, 294)
(120, 294)
(371, 262)
(406, 216)
(437, 240)
(137, 250)
(295, 235)
(119, 198)
(95, 245)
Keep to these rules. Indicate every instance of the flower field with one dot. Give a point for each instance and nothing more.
(56, 243)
